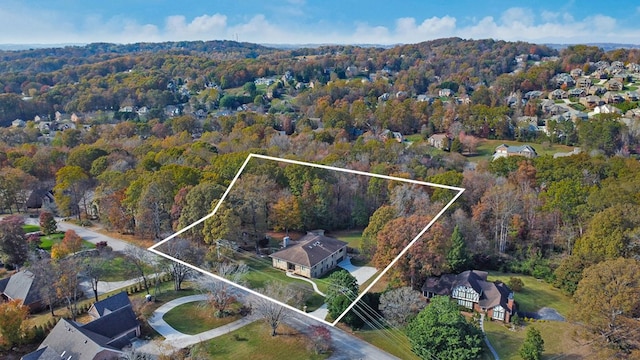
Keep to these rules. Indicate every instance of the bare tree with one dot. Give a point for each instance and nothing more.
(184, 250)
(221, 295)
(94, 267)
(68, 283)
(42, 270)
(139, 259)
(398, 306)
(272, 312)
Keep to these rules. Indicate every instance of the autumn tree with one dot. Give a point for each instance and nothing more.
(611, 233)
(70, 244)
(426, 257)
(48, 223)
(15, 184)
(286, 214)
(197, 205)
(223, 225)
(533, 345)
(399, 306)
(377, 222)
(12, 315)
(607, 302)
(440, 331)
(72, 185)
(13, 243)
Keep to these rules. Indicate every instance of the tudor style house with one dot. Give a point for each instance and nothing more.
(472, 290)
(505, 150)
(312, 256)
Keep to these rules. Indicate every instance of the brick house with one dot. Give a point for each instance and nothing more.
(313, 256)
(472, 290)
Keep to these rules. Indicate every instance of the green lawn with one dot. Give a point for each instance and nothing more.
(195, 317)
(393, 341)
(261, 272)
(352, 237)
(558, 340)
(47, 241)
(119, 269)
(536, 294)
(30, 228)
(486, 148)
(255, 342)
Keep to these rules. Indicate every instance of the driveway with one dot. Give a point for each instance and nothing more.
(361, 273)
(177, 340)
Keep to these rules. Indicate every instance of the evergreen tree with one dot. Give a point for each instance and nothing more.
(533, 345)
(457, 257)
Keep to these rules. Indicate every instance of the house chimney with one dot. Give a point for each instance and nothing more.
(510, 302)
(285, 241)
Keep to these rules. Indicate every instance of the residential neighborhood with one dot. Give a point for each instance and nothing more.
(443, 198)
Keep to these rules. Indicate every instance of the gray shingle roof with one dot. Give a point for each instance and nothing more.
(21, 286)
(112, 303)
(311, 250)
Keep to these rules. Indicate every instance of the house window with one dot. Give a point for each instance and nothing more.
(498, 313)
(465, 293)
(466, 303)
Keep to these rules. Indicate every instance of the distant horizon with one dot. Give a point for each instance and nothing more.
(33, 46)
(313, 22)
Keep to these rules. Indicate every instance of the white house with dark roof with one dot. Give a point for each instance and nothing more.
(472, 290)
(313, 255)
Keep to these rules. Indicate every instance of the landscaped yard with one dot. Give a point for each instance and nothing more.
(559, 340)
(196, 317)
(536, 294)
(255, 342)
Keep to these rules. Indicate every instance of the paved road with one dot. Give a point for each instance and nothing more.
(86, 233)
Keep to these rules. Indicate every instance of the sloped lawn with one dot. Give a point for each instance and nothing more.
(255, 342)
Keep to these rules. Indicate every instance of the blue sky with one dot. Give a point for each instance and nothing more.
(316, 21)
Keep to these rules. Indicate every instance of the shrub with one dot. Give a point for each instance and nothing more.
(516, 284)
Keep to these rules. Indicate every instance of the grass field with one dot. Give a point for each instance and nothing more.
(195, 317)
(255, 342)
(353, 237)
(536, 294)
(30, 228)
(486, 148)
(48, 240)
(393, 341)
(559, 340)
(262, 272)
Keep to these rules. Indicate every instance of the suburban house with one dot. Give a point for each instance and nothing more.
(312, 256)
(614, 85)
(440, 141)
(22, 286)
(103, 338)
(505, 150)
(472, 290)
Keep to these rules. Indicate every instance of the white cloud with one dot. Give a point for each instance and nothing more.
(19, 24)
(516, 16)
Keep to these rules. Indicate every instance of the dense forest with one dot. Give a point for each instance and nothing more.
(152, 172)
